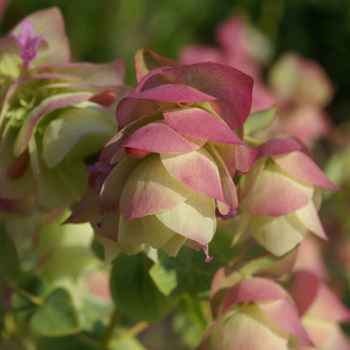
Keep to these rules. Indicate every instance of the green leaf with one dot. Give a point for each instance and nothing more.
(268, 265)
(171, 274)
(84, 341)
(194, 311)
(57, 317)
(134, 291)
(189, 333)
(8, 255)
(62, 343)
(259, 120)
(128, 344)
(187, 272)
(98, 249)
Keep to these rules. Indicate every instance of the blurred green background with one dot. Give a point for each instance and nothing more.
(103, 30)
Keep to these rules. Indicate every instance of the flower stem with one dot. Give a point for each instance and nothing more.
(31, 297)
(131, 332)
(251, 141)
(88, 341)
(115, 318)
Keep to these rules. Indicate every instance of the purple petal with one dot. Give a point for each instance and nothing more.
(50, 22)
(28, 42)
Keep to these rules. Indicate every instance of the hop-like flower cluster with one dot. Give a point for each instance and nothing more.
(54, 114)
(164, 175)
(279, 197)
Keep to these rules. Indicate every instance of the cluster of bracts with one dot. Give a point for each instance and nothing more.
(193, 147)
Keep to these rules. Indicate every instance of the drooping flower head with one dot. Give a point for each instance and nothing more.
(174, 156)
(254, 313)
(279, 197)
(320, 309)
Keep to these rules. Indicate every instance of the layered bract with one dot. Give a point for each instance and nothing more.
(161, 179)
(279, 197)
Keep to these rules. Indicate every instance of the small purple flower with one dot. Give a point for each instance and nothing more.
(28, 42)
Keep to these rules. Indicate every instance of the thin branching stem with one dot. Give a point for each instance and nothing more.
(115, 318)
(31, 297)
(131, 332)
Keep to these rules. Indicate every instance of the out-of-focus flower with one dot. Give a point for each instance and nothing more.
(300, 80)
(240, 46)
(310, 256)
(303, 90)
(164, 174)
(55, 114)
(97, 284)
(15, 207)
(300, 87)
(321, 311)
(279, 197)
(3, 6)
(255, 313)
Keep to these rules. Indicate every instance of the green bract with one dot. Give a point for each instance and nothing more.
(55, 115)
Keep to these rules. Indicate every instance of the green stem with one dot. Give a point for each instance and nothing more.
(131, 332)
(113, 323)
(31, 297)
(88, 341)
(252, 141)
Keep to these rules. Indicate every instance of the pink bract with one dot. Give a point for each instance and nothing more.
(175, 154)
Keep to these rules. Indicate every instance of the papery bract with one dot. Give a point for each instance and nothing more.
(255, 313)
(277, 196)
(321, 311)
